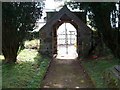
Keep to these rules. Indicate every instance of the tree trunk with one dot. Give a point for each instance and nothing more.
(102, 19)
(10, 44)
(10, 59)
(10, 54)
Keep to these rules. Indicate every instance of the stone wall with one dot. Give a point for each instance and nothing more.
(46, 42)
(81, 15)
(48, 35)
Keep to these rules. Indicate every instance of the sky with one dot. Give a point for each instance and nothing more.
(51, 4)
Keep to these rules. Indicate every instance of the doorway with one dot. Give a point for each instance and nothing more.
(66, 42)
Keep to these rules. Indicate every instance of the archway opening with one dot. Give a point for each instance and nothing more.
(66, 42)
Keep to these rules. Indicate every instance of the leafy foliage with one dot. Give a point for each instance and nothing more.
(101, 20)
(18, 19)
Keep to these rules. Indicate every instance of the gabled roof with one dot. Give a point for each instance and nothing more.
(61, 13)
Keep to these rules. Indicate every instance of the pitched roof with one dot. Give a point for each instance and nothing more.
(61, 13)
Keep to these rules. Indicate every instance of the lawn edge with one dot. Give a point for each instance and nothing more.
(89, 76)
(47, 69)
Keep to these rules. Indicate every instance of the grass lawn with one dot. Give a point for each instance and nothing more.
(96, 67)
(28, 72)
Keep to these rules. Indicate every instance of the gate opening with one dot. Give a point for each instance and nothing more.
(66, 42)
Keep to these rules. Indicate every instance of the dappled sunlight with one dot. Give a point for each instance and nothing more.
(30, 52)
(27, 72)
(32, 44)
(27, 55)
(1, 57)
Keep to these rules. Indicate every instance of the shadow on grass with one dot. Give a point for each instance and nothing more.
(24, 74)
(97, 67)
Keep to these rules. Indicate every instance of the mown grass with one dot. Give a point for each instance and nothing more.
(0, 73)
(28, 72)
(95, 69)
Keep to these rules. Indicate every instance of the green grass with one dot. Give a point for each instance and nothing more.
(28, 72)
(95, 69)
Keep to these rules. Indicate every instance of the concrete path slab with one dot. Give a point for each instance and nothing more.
(66, 73)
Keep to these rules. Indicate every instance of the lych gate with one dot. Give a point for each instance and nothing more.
(48, 33)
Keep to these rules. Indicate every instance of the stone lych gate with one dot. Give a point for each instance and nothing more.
(48, 33)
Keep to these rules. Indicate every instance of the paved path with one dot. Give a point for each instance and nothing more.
(66, 74)
(66, 53)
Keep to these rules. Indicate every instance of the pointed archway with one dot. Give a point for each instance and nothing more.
(66, 42)
(48, 33)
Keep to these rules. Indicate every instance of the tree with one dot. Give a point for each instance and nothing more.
(17, 19)
(102, 21)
